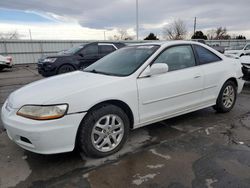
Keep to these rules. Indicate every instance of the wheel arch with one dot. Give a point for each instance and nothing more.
(118, 103)
(233, 79)
(124, 106)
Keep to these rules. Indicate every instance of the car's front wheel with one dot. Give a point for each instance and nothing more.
(65, 69)
(103, 131)
(227, 97)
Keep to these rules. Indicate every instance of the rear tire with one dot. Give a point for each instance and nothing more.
(103, 131)
(65, 69)
(227, 97)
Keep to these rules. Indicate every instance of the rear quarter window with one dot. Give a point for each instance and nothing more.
(205, 56)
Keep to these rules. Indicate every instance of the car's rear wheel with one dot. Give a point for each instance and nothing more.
(227, 97)
(65, 69)
(1, 68)
(103, 131)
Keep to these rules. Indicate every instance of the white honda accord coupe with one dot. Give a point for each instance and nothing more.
(137, 85)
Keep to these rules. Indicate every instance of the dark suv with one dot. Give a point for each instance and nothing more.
(76, 58)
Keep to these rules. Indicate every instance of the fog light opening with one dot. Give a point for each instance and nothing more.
(25, 140)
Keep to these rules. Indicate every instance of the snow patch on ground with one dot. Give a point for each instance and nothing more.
(167, 157)
(142, 179)
(155, 166)
(209, 182)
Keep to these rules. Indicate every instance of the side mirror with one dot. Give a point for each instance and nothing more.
(157, 68)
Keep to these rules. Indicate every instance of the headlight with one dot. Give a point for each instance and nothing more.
(43, 112)
(50, 60)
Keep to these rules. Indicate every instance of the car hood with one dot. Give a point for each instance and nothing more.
(47, 90)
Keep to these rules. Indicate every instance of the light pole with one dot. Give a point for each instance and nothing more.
(137, 21)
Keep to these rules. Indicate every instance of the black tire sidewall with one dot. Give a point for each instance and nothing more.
(84, 133)
(219, 105)
(59, 71)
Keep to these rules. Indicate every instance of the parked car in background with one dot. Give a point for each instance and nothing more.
(135, 86)
(238, 50)
(5, 62)
(245, 61)
(76, 58)
(217, 47)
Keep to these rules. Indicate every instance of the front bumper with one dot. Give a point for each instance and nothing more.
(6, 64)
(46, 69)
(43, 137)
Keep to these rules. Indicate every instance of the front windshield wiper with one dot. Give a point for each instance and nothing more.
(98, 72)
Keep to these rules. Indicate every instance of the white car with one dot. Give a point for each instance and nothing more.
(5, 62)
(238, 50)
(130, 88)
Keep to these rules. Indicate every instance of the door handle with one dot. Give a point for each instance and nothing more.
(198, 76)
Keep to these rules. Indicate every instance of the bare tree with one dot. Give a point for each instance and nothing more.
(9, 35)
(175, 31)
(211, 34)
(122, 34)
(218, 34)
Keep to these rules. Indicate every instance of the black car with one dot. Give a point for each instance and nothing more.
(76, 58)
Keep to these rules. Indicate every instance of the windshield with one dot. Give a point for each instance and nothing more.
(123, 62)
(72, 50)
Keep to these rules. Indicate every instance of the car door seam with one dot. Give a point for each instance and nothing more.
(174, 96)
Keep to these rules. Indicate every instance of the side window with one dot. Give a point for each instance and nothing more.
(247, 47)
(177, 57)
(205, 56)
(90, 49)
(105, 49)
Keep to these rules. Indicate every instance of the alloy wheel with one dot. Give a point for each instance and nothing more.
(107, 133)
(228, 96)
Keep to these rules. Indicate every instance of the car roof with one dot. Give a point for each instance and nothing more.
(164, 44)
(169, 43)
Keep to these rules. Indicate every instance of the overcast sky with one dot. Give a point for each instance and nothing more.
(89, 19)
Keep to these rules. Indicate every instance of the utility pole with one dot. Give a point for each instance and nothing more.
(104, 34)
(30, 34)
(194, 25)
(137, 21)
(32, 47)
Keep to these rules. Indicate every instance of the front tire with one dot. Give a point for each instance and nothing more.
(227, 97)
(103, 131)
(65, 69)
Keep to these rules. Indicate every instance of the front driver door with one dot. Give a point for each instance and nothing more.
(174, 92)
